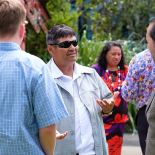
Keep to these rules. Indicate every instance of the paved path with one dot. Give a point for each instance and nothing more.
(131, 145)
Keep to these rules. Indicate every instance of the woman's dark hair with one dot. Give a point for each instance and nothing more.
(102, 62)
(152, 31)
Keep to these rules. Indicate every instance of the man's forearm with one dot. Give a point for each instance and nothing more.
(47, 138)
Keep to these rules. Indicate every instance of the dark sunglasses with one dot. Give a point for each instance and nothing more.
(66, 44)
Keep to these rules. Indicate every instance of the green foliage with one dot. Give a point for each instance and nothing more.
(130, 126)
(60, 13)
(131, 47)
(108, 19)
(90, 49)
(121, 18)
(36, 44)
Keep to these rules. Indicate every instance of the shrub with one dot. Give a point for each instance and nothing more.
(90, 49)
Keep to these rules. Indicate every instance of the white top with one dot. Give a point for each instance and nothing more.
(83, 135)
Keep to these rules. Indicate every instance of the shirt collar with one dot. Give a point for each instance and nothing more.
(56, 72)
(78, 70)
(9, 46)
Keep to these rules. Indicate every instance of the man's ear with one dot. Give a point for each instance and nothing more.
(21, 30)
(50, 49)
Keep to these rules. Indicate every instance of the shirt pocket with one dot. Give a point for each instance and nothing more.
(88, 97)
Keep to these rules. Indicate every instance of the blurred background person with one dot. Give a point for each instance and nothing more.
(150, 109)
(138, 86)
(112, 69)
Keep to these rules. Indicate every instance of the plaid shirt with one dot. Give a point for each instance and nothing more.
(29, 100)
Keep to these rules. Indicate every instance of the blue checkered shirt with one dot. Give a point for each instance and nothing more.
(29, 100)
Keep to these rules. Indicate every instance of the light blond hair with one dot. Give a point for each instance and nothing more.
(12, 13)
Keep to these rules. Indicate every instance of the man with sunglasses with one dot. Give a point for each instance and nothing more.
(85, 95)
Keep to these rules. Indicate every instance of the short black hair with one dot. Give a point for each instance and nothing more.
(58, 31)
(102, 62)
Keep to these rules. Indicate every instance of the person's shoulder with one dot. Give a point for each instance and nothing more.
(90, 73)
(141, 61)
(31, 60)
(31, 64)
(95, 66)
(141, 58)
(85, 69)
(145, 58)
(31, 57)
(143, 55)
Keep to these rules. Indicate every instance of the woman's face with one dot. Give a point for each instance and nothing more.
(114, 56)
(150, 42)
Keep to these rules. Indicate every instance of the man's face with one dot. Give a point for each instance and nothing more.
(64, 56)
(150, 42)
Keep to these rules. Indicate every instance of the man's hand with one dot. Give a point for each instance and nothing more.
(61, 136)
(106, 105)
(116, 93)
